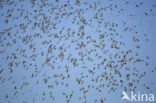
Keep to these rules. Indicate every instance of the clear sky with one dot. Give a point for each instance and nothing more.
(87, 51)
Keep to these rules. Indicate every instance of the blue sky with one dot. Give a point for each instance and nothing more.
(60, 51)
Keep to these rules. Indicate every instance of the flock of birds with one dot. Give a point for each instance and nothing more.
(71, 48)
